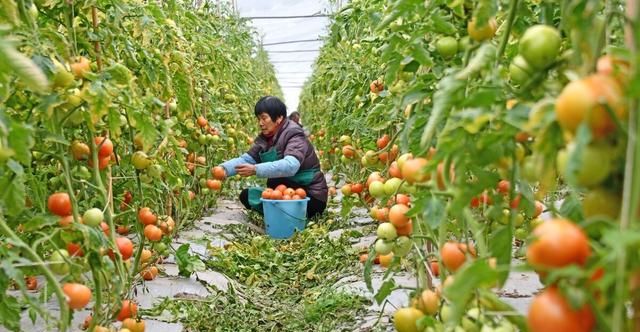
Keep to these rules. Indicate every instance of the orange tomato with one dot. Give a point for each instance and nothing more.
(78, 295)
(550, 312)
(558, 243)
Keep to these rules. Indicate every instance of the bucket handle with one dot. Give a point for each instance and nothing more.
(290, 216)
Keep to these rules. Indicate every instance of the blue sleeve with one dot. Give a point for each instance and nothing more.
(285, 167)
(230, 165)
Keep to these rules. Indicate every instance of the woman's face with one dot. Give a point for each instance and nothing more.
(268, 126)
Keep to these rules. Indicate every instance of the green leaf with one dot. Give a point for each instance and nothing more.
(10, 11)
(9, 306)
(27, 71)
(434, 212)
(468, 279)
(500, 248)
(347, 205)
(417, 93)
(420, 53)
(483, 97)
(485, 56)
(187, 263)
(22, 141)
(368, 268)
(389, 18)
(442, 24)
(385, 290)
(39, 222)
(574, 163)
(14, 193)
(485, 10)
(571, 208)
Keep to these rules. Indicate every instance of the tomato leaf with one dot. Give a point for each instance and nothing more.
(27, 71)
(575, 162)
(21, 140)
(368, 268)
(14, 192)
(468, 279)
(571, 207)
(385, 290)
(347, 205)
(434, 212)
(483, 97)
(415, 94)
(421, 54)
(9, 306)
(500, 248)
(187, 263)
(485, 10)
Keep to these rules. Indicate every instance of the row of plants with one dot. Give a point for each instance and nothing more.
(112, 114)
(458, 124)
(277, 286)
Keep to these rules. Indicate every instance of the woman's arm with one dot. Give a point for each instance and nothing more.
(230, 165)
(285, 167)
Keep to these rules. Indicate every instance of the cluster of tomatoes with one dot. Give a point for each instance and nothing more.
(285, 193)
(79, 295)
(81, 151)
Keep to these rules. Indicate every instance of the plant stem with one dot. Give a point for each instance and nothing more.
(51, 279)
(513, 7)
(96, 44)
(631, 189)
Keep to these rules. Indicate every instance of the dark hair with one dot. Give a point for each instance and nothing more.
(294, 115)
(272, 106)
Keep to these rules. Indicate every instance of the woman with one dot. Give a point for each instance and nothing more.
(282, 154)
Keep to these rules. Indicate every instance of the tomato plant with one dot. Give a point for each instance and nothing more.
(100, 117)
(525, 113)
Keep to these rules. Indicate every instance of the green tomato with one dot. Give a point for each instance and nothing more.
(391, 186)
(387, 231)
(160, 247)
(469, 325)
(521, 233)
(595, 165)
(145, 178)
(601, 202)
(519, 70)
(383, 247)
(57, 262)
(446, 313)
(464, 43)
(408, 189)
(377, 189)
(140, 160)
(519, 220)
(205, 191)
(447, 47)
(346, 190)
(62, 78)
(530, 169)
(520, 152)
(345, 140)
(402, 246)
(540, 46)
(202, 139)
(155, 171)
(93, 217)
(83, 172)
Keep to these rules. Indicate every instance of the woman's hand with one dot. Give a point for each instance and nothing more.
(246, 169)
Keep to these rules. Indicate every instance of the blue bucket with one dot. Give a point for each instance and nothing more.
(283, 218)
